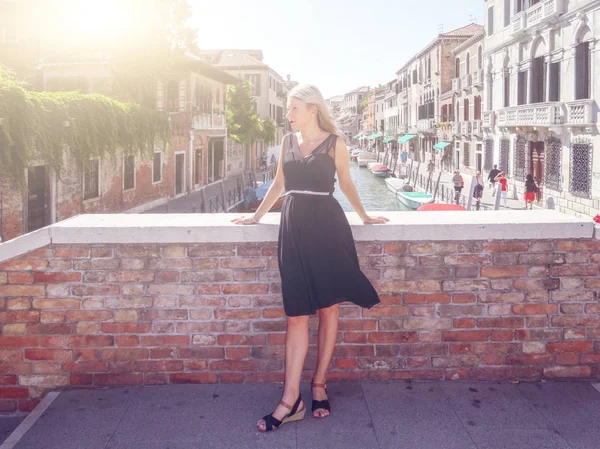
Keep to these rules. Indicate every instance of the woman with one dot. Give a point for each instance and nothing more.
(478, 189)
(316, 253)
(530, 191)
(458, 183)
(501, 179)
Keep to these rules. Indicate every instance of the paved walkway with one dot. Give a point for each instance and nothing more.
(365, 415)
(488, 200)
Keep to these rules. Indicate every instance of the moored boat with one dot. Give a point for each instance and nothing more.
(414, 200)
(380, 170)
(394, 184)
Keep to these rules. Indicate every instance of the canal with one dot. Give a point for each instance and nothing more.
(373, 191)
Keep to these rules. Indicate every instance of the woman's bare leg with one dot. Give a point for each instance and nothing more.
(296, 348)
(328, 328)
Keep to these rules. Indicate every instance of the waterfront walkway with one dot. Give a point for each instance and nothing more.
(365, 415)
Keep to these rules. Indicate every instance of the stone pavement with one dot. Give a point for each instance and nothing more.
(365, 415)
(488, 200)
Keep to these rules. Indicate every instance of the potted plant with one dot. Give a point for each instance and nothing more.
(597, 226)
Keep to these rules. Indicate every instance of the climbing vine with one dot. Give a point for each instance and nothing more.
(50, 127)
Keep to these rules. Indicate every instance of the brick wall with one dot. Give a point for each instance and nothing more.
(204, 313)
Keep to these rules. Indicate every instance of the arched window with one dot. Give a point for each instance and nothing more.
(468, 64)
(457, 68)
(583, 65)
(466, 110)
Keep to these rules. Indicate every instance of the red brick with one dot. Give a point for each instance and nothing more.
(193, 378)
(13, 393)
(84, 367)
(234, 365)
(72, 253)
(491, 359)
(537, 284)
(528, 359)
(27, 405)
(502, 335)
(574, 321)
(570, 346)
(465, 284)
(47, 277)
(355, 337)
(89, 315)
(165, 340)
(344, 363)
(433, 248)
(419, 374)
(506, 247)
(20, 277)
(566, 358)
(114, 379)
(51, 328)
(237, 314)
(578, 245)
(503, 272)
(392, 337)
(158, 365)
(244, 289)
(23, 265)
(426, 298)
(535, 309)
(590, 359)
(576, 270)
(237, 353)
(8, 379)
(502, 322)
(22, 316)
(460, 348)
(468, 259)
(463, 298)
(125, 328)
(480, 335)
(240, 340)
(385, 311)
(90, 341)
(48, 354)
(464, 323)
(95, 290)
(22, 290)
(18, 342)
(130, 276)
(57, 303)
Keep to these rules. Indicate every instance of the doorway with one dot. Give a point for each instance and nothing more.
(37, 198)
(479, 158)
(179, 173)
(536, 164)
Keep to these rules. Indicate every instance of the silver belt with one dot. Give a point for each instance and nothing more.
(307, 192)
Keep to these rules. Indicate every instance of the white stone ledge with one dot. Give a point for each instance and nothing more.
(217, 228)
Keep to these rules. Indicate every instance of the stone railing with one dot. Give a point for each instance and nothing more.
(579, 113)
(476, 127)
(477, 78)
(465, 81)
(456, 84)
(541, 114)
(465, 128)
(489, 119)
(208, 121)
(402, 129)
(104, 300)
(541, 12)
(426, 124)
(456, 128)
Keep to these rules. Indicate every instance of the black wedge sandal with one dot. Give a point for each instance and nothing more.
(272, 423)
(320, 405)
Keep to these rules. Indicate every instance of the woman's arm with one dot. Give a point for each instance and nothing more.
(346, 184)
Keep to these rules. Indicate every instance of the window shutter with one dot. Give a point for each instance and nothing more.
(554, 80)
(159, 96)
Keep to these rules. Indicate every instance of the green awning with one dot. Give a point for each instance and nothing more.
(441, 145)
(375, 136)
(388, 139)
(406, 137)
(358, 136)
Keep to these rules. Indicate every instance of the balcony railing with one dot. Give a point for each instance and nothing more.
(465, 81)
(456, 84)
(579, 113)
(477, 78)
(402, 129)
(542, 114)
(208, 121)
(489, 119)
(476, 126)
(465, 128)
(426, 124)
(543, 11)
(456, 128)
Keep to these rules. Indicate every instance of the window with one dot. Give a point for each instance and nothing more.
(506, 89)
(480, 57)
(477, 112)
(157, 168)
(538, 80)
(582, 71)
(414, 76)
(490, 23)
(466, 110)
(581, 168)
(128, 172)
(91, 180)
(173, 96)
(507, 12)
(468, 64)
(254, 81)
(554, 81)
(522, 88)
(457, 68)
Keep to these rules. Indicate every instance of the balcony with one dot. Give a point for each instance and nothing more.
(208, 121)
(456, 84)
(476, 127)
(542, 12)
(426, 125)
(477, 78)
(489, 119)
(465, 128)
(542, 114)
(456, 128)
(465, 81)
(579, 113)
(402, 129)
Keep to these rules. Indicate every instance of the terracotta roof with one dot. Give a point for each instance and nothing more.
(237, 58)
(468, 30)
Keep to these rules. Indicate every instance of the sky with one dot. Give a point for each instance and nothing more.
(337, 45)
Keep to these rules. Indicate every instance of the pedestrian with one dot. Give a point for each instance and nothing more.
(458, 182)
(273, 159)
(492, 178)
(317, 257)
(478, 189)
(530, 190)
(503, 185)
(403, 157)
(264, 161)
(430, 167)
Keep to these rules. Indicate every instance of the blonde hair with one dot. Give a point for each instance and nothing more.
(310, 94)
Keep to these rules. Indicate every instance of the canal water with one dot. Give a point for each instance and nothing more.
(373, 191)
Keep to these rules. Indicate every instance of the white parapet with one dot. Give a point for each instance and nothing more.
(217, 228)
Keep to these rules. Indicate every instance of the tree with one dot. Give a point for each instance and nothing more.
(269, 130)
(243, 123)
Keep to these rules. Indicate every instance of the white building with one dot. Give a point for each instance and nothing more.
(542, 84)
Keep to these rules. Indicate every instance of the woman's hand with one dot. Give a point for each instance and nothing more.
(244, 221)
(375, 220)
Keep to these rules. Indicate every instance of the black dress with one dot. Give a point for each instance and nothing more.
(316, 253)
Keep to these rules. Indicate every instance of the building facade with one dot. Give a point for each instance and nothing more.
(542, 84)
(422, 81)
